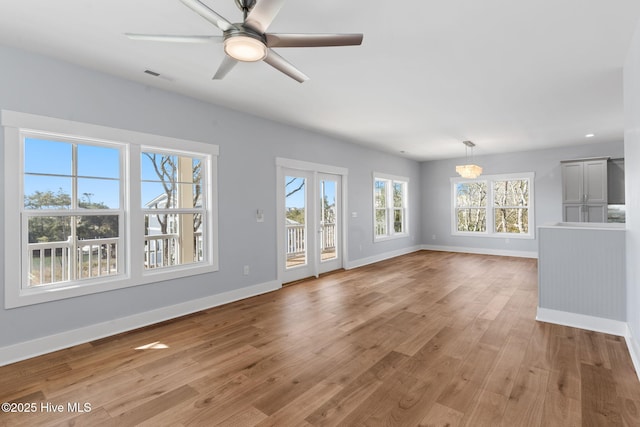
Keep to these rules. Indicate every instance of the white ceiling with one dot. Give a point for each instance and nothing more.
(508, 75)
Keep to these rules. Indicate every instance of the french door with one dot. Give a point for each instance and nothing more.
(310, 218)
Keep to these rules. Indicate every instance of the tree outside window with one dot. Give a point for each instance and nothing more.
(471, 206)
(494, 205)
(511, 206)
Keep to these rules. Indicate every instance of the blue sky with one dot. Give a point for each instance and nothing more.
(100, 167)
(296, 200)
(101, 164)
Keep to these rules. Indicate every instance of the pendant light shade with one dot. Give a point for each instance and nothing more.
(469, 170)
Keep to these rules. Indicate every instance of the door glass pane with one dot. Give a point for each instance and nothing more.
(295, 217)
(328, 230)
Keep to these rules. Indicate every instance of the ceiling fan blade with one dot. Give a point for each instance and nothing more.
(263, 14)
(281, 64)
(313, 40)
(227, 64)
(209, 14)
(175, 39)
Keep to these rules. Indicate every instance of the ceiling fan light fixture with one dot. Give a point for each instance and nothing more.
(244, 48)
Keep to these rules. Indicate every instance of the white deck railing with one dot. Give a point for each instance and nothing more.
(97, 257)
(163, 250)
(52, 262)
(296, 243)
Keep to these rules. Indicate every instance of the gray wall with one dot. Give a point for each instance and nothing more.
(436, 197)
(247, 181)
(632, 185)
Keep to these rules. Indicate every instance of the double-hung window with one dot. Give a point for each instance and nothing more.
(71, 210)
(90, 208)
(389, 206)
(493, 206)
(173, 208)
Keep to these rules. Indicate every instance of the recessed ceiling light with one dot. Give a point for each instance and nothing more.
(589, 135)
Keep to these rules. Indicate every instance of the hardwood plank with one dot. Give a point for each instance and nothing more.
(245, 417)
(299, 408)
(488, 410)
(355, 392)
(503, 375)
(560, 410)
(442, 416)
(162, 403)
(622, 370)
(599, 400)
(526, 401)
(630, 411)
(461, 393)
(593, 349)
(565, 368)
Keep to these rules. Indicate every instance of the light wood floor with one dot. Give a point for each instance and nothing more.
(430, 338)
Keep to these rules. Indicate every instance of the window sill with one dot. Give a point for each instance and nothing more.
(392, 237)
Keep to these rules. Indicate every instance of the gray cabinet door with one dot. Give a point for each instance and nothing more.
(595, 213)
(572, 212)
(595, 181)
(572, 182)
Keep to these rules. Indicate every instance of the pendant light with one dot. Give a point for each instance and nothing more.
(469, 170)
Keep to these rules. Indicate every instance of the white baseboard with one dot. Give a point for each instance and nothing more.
(634, 350)
(582, 321)
(481, 251)
(25, 350)
(380, 257)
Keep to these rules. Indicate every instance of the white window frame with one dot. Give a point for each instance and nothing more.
(490, 207)
(391, 180)
(16, 125)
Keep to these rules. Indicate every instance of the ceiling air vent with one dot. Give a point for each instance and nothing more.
(153, 73)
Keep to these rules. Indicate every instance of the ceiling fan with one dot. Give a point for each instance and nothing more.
(248, 41)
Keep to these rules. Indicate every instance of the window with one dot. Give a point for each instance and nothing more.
(71, 210)
(493, 206)
(471, 206)
(173, 209)
(389, 206)
(101, 208)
